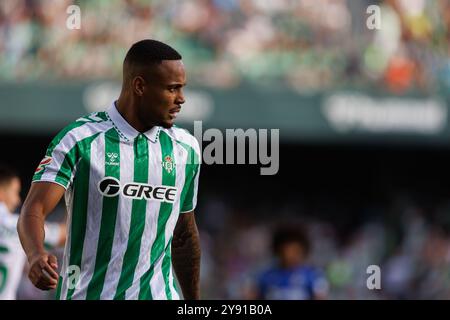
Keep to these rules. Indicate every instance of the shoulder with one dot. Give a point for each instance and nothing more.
(83, 127)
(183, 137)
(91, 123)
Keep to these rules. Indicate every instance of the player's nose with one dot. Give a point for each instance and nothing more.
(180, 97)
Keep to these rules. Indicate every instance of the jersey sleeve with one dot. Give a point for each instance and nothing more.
(52, 234)
(190, 189)
(59, 161)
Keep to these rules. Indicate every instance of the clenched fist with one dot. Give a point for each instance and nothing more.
(43, 271)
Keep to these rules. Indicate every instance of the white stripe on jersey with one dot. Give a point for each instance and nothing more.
(122, 227)
(194, 197)
(157, 285)
(175, 295)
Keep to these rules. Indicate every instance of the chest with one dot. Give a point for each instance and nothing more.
(287, 286)
(141, 170)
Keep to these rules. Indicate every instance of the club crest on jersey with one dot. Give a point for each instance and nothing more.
(45, 162)
(168, 164)
(112, 159)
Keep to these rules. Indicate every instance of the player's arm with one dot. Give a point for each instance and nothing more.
(186, 255)
(41, 200)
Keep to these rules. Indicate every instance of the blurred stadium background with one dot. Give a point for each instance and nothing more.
(363, 119)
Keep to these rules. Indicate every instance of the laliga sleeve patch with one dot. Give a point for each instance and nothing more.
(45, 162)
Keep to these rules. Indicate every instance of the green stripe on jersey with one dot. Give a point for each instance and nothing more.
(58, 288)
(168, 179)
(191, 170)
(102, 115)
(68, 165)
(80, 203)
(138, 217)
(108, 219)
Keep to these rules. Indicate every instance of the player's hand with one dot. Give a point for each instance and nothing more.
(43, 267)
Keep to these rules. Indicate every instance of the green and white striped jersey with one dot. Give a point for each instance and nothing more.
(124, 193)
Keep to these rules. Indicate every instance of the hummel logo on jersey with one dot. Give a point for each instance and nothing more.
(45, 162)
(112, 157)
(110, 187)
(168, 164)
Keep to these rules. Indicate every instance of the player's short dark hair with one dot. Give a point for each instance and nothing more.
(6, 175)
(290, 233)
(149, 51)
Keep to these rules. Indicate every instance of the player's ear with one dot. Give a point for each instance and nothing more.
(138, 85)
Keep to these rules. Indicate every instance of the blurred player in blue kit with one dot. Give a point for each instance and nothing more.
(290, 278)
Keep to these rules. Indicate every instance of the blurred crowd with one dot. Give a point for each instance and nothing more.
(410, 244)
(305, 44)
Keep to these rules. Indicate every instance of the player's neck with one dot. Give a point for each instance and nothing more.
(291, 264)
(126, 106)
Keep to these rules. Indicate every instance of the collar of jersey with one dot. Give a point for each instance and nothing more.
(126, 129)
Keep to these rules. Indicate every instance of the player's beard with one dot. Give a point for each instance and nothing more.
(166, 125)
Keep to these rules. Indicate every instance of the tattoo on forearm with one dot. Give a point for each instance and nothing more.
(186, 257)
